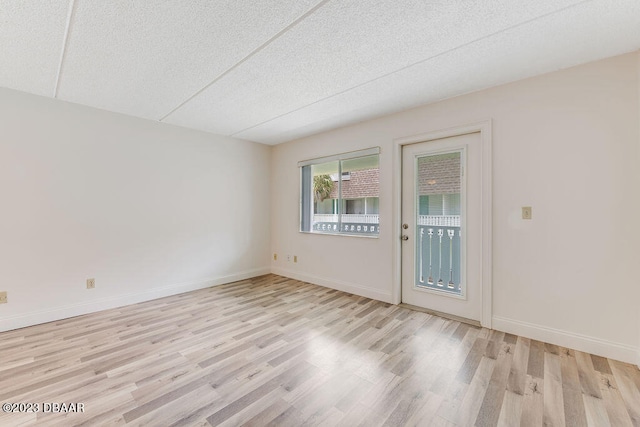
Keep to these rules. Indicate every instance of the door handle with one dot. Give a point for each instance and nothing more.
(404, 237)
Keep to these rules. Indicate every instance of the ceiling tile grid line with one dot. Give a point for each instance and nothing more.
(65, 41)
(496, 62)
(342, 46)
(383, 76)
(277, 70)
(145, 58)
(248, 56)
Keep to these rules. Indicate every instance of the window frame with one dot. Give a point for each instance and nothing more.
(373, 151)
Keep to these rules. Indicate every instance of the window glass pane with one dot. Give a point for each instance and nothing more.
(372, 205)
(325, 207)
(451, 204)
(360, 163)
(361, 186)
(330, 168)
(325, 189)
(435, 204)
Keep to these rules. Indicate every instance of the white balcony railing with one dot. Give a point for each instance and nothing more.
(348, 218)
(439, 220)
(430, 220)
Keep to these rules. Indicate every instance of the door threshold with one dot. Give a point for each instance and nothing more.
(441, 314)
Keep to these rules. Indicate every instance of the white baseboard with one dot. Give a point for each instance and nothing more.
(335, 284)
(58, 313)
(597, 346)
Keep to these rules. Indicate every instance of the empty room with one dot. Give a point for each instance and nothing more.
(320, 212)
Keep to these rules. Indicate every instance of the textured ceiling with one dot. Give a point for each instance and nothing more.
(274, 70)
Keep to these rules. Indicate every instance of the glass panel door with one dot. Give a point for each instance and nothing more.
(441, 231)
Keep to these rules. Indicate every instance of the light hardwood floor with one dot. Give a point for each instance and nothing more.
(276, 351)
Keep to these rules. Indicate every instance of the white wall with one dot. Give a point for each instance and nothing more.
(567, 144)
(145, 208)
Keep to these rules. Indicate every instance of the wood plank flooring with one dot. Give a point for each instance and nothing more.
(272, 351)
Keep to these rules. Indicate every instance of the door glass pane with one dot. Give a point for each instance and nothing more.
(438, 231)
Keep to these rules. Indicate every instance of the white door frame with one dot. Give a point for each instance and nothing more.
(484, 128)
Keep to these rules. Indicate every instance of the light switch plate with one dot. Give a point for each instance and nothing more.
(526, 212)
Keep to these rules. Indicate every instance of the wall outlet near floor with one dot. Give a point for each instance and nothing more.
(275, 257)
(526, 212)
(91, 283)
(295, 258)
(3, 297)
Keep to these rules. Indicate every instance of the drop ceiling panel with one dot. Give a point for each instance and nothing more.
(343, 45)
(144, 58)
(275, 70)
(31, 38)
(582, 34)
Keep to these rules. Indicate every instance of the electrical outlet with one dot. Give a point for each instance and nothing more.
(288, 258)
(526, 212)
(91, 283)
(275, 257)
(3, 297)
(295, 258)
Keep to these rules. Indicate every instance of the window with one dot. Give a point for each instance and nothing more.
(340, 194)
(346, 176)
(439, 204)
